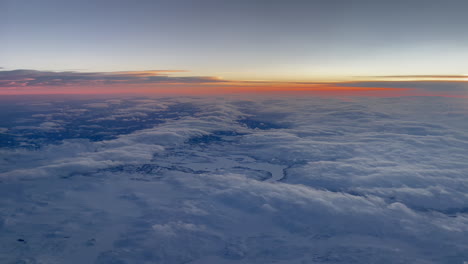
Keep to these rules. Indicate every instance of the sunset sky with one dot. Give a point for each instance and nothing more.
(181, 45)
(234, 131)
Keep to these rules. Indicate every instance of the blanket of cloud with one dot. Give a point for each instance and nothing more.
(234, 180)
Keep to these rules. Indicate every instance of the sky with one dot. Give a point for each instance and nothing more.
(241, 131)
(274, 41)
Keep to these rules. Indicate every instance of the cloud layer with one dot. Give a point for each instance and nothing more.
(24, 78)
(226, 180)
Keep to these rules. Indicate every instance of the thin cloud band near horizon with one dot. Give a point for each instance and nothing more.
(26, 81)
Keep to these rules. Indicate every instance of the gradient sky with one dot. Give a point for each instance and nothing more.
(276, 40)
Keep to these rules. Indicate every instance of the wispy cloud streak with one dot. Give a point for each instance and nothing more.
(25, 78)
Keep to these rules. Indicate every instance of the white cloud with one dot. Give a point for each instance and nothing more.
(374, 180)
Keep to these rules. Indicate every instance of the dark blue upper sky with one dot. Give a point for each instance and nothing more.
(274, 40)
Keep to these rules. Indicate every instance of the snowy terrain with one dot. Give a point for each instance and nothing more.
(234, 180)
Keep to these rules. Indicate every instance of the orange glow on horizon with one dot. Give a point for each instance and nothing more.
(225, 87)
(216, 88)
